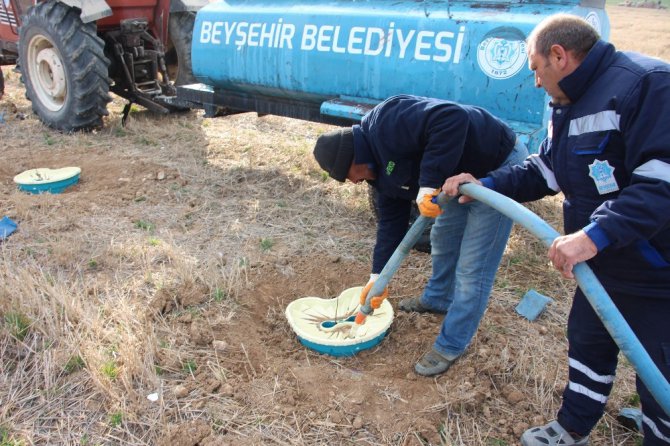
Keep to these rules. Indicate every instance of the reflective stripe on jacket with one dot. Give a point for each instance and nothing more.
(609, 153)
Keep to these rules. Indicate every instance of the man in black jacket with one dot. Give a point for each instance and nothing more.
(406, 147)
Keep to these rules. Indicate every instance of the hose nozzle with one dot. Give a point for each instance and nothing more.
(358, 322)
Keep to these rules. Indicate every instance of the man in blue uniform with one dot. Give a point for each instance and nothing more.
(608, 151)
(406, 147)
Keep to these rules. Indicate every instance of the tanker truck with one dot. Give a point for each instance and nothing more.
(332, 60)
(324, 61)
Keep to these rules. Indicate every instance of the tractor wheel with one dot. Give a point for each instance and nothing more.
(2, 84)
(178, 54)
(63, 67)
(423, 244)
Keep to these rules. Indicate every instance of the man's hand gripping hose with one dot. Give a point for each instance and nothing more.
(426, 201)
(376, 290)
(597, 296)
(375, 301)
(608, 313)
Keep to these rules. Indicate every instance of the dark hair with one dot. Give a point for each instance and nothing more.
(571, 32)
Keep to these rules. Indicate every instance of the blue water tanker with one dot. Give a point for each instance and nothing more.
(331, 61)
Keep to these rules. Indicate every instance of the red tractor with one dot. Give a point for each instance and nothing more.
(72, 53)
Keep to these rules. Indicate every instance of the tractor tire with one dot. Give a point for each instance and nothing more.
(63, 67)
(423, 244)
(178, 54)
(2, 84)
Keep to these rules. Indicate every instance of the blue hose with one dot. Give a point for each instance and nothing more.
(411, 237)
(608, 313)
(614, 322)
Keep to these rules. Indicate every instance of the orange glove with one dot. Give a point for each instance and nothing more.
(426, 206)
(376, 301)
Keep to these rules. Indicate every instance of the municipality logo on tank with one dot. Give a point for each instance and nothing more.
(594, 21)
(502, 53)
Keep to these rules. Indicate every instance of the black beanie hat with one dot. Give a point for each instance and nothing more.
(334, 151)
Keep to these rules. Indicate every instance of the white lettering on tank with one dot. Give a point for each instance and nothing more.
(253, 34)
(324, 38)
(422, 45)
(206, 32)
(266, 35)
(275, 42)
(369, 51)
(354, 40)
(389, 40)
(336, 39)
(241, 33)
(392, 42)
(287, 33)
(441, 45)
(459, 44)
(404, 42)
(228, 29)
(308, 37)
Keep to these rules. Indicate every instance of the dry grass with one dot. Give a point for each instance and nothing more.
(99, 283)
(638, 29)
(122, 287)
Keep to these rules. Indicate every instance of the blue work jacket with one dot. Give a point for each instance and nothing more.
(417, 142)
(608, 151)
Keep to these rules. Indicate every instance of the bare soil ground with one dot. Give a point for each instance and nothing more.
(145, 305)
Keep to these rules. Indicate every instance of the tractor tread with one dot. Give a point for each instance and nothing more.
(84, 62)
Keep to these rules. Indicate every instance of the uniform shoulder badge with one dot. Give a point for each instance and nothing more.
(603, 176)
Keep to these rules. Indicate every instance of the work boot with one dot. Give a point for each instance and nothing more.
(433, 363)
(413, 304)
(551, 434)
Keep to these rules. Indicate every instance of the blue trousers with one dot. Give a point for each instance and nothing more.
(467, 243)
(593, 358)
